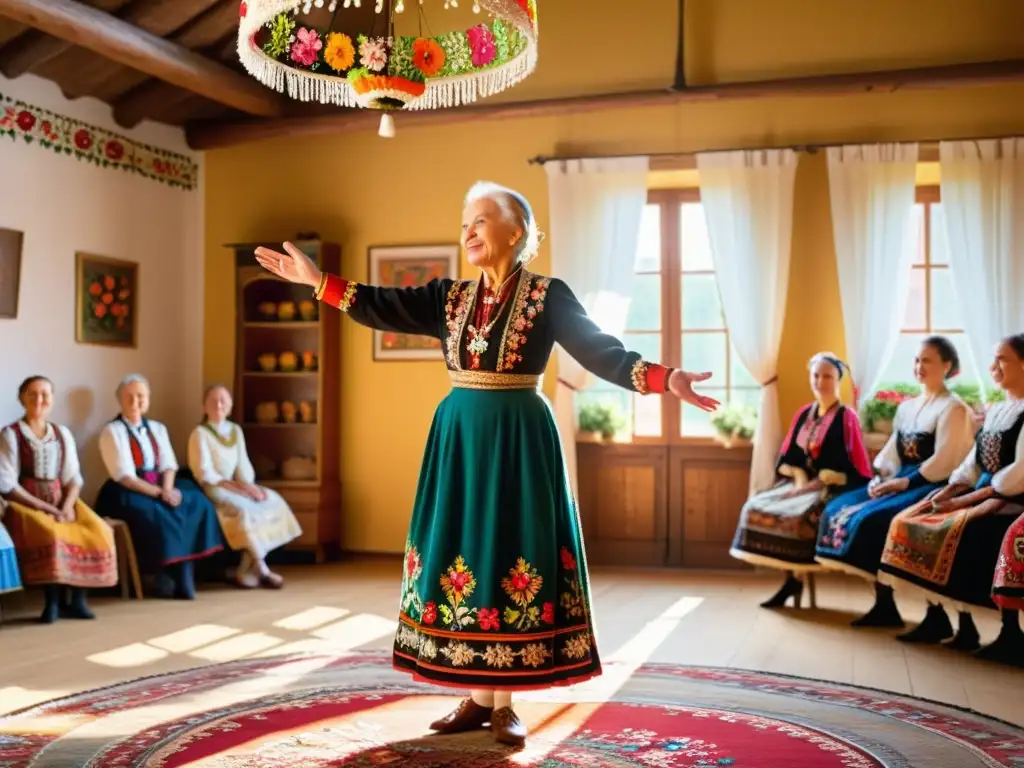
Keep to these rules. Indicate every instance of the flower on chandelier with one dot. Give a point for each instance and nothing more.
(481, 44)
(427, 56)
(373, 53)
(340, 54)
(527, 7)
(306, 47)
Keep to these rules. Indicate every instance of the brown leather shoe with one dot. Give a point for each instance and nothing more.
(468, 716)
(507, 728)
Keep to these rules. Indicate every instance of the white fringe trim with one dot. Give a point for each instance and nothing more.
(440, 93)
(840, 567)
(771, 562)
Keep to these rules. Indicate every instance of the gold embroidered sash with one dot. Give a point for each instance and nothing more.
(494, 381)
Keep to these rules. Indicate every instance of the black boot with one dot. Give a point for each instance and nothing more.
(883, 613)
(791, 587)
(967, 637)
(185, 589)
(51, 611)
(163, 583)
(934, 629)
(77, 608)
(1008, 648)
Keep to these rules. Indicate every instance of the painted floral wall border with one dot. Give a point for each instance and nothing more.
(69, 136)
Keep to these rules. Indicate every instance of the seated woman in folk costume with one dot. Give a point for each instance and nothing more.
(255, 520)
(822, 455)
(10, 577)
(171, 520)
(60, 541)
(947, 546)
(495, 592)
(932, 434)
(1008, 595)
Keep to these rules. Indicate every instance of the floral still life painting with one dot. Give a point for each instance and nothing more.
(106, 301)
(409, 267)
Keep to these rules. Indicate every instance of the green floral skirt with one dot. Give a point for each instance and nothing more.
(495, 591)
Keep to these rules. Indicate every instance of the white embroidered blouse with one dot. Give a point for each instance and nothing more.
(948, 418)
(1008, 481)
(46, 451)
(214, 460)
(116, 449)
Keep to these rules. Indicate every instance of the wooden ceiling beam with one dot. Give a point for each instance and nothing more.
(212, 34)
(119, 41)
(33, 48)
(212, 135)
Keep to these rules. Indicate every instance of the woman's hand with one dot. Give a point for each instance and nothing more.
(293, 266)
(171, 496)
(67, 512)
(894, 485)
(680, 384)
(256, 493)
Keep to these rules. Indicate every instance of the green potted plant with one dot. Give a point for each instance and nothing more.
(599, 422)
(734, 422)
(878, 411)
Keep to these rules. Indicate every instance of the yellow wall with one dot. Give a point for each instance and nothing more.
(361, 190)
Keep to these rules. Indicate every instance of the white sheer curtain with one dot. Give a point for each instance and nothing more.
(747, 198)
(872, 192)
(595, 207)
(983, 203)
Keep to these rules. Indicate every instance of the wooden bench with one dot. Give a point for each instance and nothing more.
(127, 565)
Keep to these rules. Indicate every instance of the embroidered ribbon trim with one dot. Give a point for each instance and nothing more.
(487, 380)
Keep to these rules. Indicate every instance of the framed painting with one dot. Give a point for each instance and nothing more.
(10, 271)
(406, 267)
(106, 301)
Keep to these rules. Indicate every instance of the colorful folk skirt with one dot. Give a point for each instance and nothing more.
(10, 578)
(257, 527)
(778, 530)
(1008, 585)
(161, 534)
(947, 554)
(495, 588)
(79, 554)
(853, 528)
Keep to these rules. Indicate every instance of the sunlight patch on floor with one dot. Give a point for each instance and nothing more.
(311, 618)
(13, 698)
(617, 669)
(191, 638)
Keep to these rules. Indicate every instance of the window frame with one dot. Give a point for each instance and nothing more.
(670, 202)
(928, 196)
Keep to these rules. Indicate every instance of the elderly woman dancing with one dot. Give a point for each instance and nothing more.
(171, 521)
(495, 592)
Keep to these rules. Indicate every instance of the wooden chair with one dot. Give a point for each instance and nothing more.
(127, 565)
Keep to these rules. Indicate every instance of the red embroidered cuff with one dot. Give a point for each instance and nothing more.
(657, 378)
(337, 292)
(649, 378)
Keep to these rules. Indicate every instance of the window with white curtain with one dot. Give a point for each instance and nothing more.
(932, 306)
(676, 318)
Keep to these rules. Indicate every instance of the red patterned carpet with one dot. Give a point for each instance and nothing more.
(353, 710)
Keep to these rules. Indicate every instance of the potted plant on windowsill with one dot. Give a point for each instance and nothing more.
(598, 422)
(734, 424)
(879, 410)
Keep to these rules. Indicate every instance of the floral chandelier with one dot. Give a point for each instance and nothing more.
(340, 52)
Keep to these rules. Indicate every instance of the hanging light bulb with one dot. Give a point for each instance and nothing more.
(476, 7)
(387, 127)
(333, 6)
(318, 3)
(399, 6)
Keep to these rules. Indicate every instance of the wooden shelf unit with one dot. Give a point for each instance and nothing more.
(316, 500)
